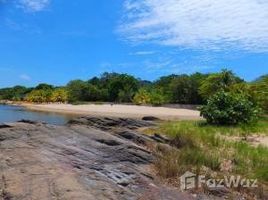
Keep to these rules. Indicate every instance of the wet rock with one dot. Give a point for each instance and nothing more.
(150, 118)
(109, 142)
(4, 126)
(26, 121)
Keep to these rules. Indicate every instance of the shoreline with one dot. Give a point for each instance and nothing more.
(117, 110)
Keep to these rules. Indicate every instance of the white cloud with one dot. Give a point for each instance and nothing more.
(142, 53)
(198, 24)
(25, 77)
(34, 5)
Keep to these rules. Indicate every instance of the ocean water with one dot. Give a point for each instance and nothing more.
(16, 113)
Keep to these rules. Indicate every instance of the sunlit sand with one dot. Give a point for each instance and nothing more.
(119, 111)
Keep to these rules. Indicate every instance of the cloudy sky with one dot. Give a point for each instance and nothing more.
(55, 41)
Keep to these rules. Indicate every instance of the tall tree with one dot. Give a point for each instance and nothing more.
(122, 88)
(44, 86)
(218, 81)
(77, 90)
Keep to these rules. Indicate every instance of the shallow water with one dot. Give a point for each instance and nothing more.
(16, 113)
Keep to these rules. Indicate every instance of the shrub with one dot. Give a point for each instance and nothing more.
(225, 108)
(257, 92)
(59, 95)
(142, 97)
(39, 96)
(154, 97)
(260, 91)
(157, 98)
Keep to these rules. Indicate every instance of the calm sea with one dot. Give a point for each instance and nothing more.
(16, 113)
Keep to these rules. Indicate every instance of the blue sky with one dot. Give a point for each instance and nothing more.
(55, 41)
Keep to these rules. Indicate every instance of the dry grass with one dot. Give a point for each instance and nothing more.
(199, 148)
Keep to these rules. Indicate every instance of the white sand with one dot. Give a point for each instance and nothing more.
(131, 111)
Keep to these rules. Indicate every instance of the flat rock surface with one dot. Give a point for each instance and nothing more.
(90, 158)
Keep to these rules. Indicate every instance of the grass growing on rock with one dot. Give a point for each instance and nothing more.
(203, 148)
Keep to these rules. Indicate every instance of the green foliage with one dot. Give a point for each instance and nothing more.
(154, 97)
(47, 95)
(59, 95)
(157, 98)
(198, 145)
(39, 96)
(229, 109)
(259, 89)
(122, 87)
(77, 90)
(125, 96)
(183, 89)
(110, 87)
(16, 93)
(44, 86)
(142, 97)
(164, 82)
(218, 81)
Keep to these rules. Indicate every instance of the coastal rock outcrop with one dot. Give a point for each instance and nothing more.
(89, 158)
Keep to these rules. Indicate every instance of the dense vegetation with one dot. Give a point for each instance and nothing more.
(228, 108)
(113, 87)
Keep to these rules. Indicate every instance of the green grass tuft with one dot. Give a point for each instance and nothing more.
(198, 145)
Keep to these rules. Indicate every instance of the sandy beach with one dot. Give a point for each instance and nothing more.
(130, 111)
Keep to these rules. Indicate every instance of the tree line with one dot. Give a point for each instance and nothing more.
(114, 87)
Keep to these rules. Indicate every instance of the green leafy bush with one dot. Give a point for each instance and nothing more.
(142, 97)
(225, 108)
(154, 97)
(59, 95)
(39, 96)
(157, 98)
(259, 89)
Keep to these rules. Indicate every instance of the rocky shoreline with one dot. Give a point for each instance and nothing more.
(89, 158)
